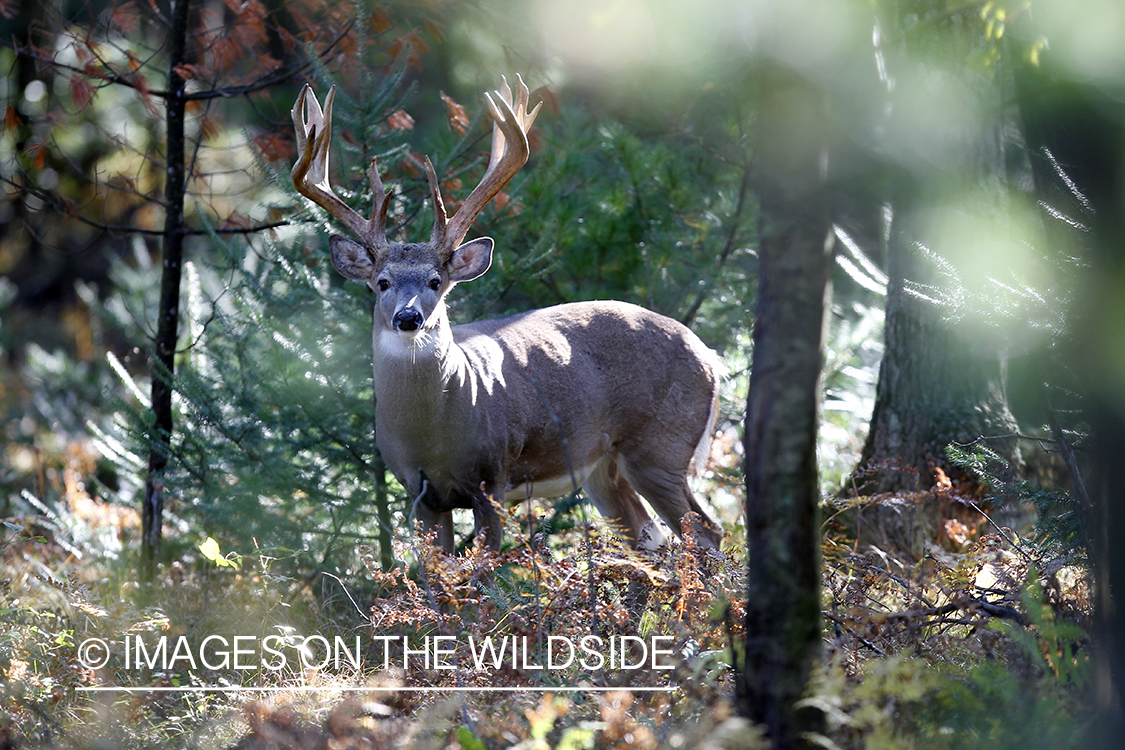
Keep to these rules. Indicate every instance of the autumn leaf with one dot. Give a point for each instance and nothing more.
(956, 531)
(81, 91)
(208, 126)
(287, 38)
(140, 83)
(249, 28)
(546, 95)
(11, 119)
(458, 120)
(93, 70)
(349, 50)
(224, 54)
(942, 482)
(434, 27)
(210, 550)
(37, 152)
(410, 45)
(189, 71)
(380, 21)
(267, 62)
(274, 146)
(124, 18)
(400, 120)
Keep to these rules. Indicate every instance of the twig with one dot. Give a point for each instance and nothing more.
(909, 589)
(989, 608)
(1004, 533)
(840, 621)
(1068, 455)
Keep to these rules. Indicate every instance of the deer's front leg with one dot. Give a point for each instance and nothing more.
(432, 519)
(442, 522)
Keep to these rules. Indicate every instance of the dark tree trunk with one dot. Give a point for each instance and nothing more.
(168, 316)
(1075, 132)
(934, 386)
(783, 622)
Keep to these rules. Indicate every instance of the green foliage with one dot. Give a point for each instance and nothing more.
(37, 631)
(274, 443)
(1060, 529)
(613, 209)
(960, 650)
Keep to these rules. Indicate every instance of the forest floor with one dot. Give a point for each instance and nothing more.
(942, 628)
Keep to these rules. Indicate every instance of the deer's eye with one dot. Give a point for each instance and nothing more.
(383, 285)
(435, 283)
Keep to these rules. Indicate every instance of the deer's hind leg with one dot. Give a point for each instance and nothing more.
(619, 503)
(663, 482)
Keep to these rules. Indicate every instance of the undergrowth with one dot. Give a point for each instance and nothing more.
(977, 638)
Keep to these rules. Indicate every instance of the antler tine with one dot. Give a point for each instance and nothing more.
(313, 127)
(509, 152)
(380, 201)
(438, 235)
(520, 111)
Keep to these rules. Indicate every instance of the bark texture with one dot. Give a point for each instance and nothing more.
(783, 608)
(934, 386)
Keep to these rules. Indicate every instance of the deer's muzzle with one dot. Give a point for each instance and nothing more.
(407, 319)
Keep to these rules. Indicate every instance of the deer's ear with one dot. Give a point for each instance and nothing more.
(470, 260)
(351, 258)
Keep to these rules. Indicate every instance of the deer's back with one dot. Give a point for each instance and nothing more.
(612, 373)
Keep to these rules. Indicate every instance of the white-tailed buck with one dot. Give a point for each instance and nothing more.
(619, 399)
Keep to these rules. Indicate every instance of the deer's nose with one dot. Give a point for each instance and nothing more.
(408, 320)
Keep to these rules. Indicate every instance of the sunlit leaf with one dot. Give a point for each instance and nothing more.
(210, 550)
(458, 120)
(400, 120)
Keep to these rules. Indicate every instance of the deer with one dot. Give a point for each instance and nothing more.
(606, 395)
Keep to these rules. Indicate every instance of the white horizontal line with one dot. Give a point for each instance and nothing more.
(356, 689)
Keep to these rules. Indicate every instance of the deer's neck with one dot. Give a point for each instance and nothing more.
(428, 380)
(430, 394)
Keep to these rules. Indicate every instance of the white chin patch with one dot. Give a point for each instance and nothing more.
(402, 343)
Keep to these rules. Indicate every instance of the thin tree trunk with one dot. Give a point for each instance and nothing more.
(168, 316)
(783, 620)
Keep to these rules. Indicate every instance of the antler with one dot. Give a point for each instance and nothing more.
(310, 173)
(511, 121)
